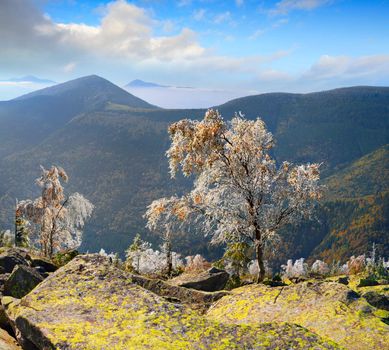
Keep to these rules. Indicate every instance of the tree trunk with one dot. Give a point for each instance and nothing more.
(260, 262)
(18, 224)
(51, 240)
(169, 260)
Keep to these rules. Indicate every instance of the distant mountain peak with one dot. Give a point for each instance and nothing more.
(93, 90)
(137, 83)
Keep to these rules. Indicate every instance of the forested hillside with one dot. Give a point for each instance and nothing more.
(352, 216)
(113, 148)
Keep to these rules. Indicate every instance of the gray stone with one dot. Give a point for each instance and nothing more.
(22, 280)
(9, 259)
(208, 281)
(380, 301)
(44, 263)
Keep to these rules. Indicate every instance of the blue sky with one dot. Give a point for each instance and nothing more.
(253, 46)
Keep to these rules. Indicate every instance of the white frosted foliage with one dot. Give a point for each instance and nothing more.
(239, 192)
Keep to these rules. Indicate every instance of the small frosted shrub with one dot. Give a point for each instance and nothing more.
(154, 262)
(344, 270)
(6, 238)
(196, 264)
(253, 268)
(385, 264)
(298, 269)
(356, 264)
(320, 267)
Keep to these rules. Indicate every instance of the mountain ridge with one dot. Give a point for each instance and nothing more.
(115, 154)
(95, 85)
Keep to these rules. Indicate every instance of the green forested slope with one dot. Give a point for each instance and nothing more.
(115, 154)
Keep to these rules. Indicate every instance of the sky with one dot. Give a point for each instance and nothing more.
(246, 46)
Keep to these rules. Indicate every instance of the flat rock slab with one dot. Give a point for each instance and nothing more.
(329, 309)
(209, 281)
(196, 299)
(90, 304)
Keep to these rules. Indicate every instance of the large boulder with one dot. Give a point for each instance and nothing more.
(90, 304)
(10, 258)
(44, 263)
(209, 281)
(9, 303)
(3, 279)
(329, 309)
(378, 297)
(21, 281)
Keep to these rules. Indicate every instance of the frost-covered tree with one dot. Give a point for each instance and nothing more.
(21, 229)
(154, 261)
(166, 216)
(58, 220)
(135, 252)
(239, 192)
(5, 238)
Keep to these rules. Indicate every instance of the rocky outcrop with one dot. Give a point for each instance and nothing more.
(21, 281)
(3, 279)
(10, 258)
(380, 301)
(90, 304)
(196, 299)
(210, 281)
(329, 309)
(377, 296)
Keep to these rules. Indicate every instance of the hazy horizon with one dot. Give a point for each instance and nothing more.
(231, 48)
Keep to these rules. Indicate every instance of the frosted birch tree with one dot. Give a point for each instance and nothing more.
(58, 219)
(239, 193)
(166, 216)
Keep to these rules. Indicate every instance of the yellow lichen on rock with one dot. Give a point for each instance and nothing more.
(329, 309)
(90, 304)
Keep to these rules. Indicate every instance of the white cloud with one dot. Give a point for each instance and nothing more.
(183, 3)
(199, 14)
(168, 26)
(272, 75)
(239, 2)
(222, 17)
(69, 67)
(124, 40)
(285, 6)
(280, 23)
(349, 68)
(257, 34)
